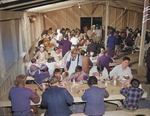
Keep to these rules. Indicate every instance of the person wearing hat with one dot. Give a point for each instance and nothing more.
(41, 74)
(132, 95)
(57, 54)
(41, 55)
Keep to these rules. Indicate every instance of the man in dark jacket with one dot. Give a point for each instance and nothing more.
(91, 47)
(56, 99)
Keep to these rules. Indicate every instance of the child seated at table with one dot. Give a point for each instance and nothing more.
(20, 97)
(57, 73)
(94, 97)
(79, 76)
(132, 95)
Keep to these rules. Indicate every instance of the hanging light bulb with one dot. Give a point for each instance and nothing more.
(79, 5)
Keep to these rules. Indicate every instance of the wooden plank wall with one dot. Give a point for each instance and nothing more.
(70, 17)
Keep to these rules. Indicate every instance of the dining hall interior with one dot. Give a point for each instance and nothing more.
(68, 43)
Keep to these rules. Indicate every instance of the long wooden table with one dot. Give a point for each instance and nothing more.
(114, 93)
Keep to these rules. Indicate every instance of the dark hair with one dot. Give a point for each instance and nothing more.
(129, 35)
(91, 40)
(56, 71)
(100, 68)
(33, 60)
(78, 69)
(82, 52)
(44, 70)
(50, 28)
(135, 83)
(56, 48)
(92, 80)
(49, 60)
(53, 80)
(126, 58)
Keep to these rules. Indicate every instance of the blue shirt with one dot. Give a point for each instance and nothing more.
(20, 98)
(94, 98)
(56, 100)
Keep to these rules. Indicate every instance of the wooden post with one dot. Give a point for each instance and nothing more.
(128, 19)
(2, 66)
(141, 55)
(122, 21)
(135, 21)
(106, 24)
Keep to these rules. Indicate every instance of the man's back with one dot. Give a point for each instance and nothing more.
(56, 99)
(86, 63)
(132, 97)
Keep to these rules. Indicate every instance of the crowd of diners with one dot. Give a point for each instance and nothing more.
(65, 56)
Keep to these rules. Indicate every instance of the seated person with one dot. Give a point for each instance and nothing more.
(129, 40)
(104, 60)
(79, 75)
(132, 95)
(56, 99)
(34, 67)
(122, 69)
(42, 55)
(97, 70)
(91, 47)
(57, 54)
(57, 73)
(20, 97)
(64, 80)
(42, 74)
(51, 65)
(94, 97)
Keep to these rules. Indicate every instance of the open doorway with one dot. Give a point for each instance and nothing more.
(85, 21)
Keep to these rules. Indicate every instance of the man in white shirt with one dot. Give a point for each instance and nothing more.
(122, 69)
(74, 40)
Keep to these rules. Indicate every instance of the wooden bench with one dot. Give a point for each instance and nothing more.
(145, 112)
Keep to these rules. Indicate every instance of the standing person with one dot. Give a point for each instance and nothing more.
(20, 97)
(117, 43)
(104, 60)
(111, 44)
(66, 45)
(56, 99)
(91, 47)
(148, 66)
(94, 97)
(86, 63)
(132, 95)
(73, 59)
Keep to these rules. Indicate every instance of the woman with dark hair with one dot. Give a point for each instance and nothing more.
(56, 99)
(94, 97)
(97, 70)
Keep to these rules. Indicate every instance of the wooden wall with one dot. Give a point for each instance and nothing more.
(70, 17)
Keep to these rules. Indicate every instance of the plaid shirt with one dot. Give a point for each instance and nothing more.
(132, 97)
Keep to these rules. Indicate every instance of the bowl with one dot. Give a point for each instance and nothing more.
(126, 76)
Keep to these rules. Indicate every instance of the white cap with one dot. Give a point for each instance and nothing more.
(42, 45)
